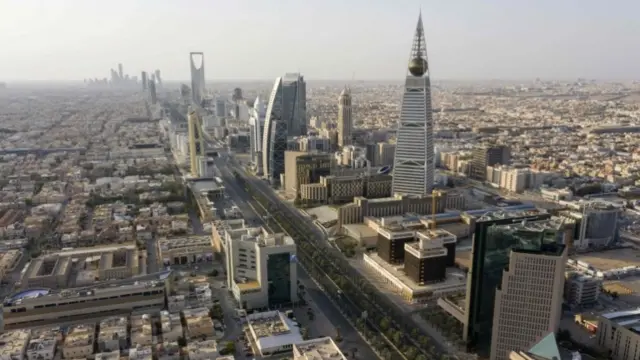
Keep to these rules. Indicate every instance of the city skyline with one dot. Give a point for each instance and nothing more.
(526, 41)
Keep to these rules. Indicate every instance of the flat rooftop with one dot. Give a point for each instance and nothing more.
(454, 276)
(610, 259)
(318, 349)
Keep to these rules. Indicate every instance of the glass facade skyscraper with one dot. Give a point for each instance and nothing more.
(490, 255)
(286, 116)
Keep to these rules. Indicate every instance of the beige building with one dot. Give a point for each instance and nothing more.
(199, 324)
(361, 207)
(340, 189)
(218, 230)
(41, 306)
(304, 168)
(171, 326)
(185, 250)
(113, 334)
(78, 343)
(142, 329)
(202, 350)
(528, 303)
(619, 333)
(13, 344)
(384, 155)
(93, 264)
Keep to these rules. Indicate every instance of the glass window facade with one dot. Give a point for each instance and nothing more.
(279, 279)
(490, 256)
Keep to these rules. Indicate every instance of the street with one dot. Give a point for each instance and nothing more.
(316, 297)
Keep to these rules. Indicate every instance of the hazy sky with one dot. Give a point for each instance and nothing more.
(323, 39)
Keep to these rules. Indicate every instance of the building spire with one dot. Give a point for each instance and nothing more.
(418, 63)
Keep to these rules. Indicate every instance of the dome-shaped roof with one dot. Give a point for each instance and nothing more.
(418, 66)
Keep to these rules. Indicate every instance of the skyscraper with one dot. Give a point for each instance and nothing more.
(345, 121)
(197, 77)
(143, 78)
(489, 257)
(286, 116)
(152, 92)
(120, 71)
(196, 143)
(158, 78)
(528, 301)
(256, 129)
(414, 160)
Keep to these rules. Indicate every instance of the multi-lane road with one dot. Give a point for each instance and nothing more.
(314, 294)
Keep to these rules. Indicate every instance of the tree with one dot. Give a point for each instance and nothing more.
(384, 324)
(230, 347)
(411, 353)
(214, 273)
(182, 342)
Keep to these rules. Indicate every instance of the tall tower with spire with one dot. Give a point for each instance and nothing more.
(414, 159)
(345, 120)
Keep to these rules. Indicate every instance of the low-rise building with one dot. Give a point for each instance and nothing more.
(113, 334)
(317, 349)
(42, 345)
(168, 350)
(273, 332)
(78, 343)
(171, 326)
(13, 344)
(141, 353)
(112, 355)
(142, 330)
(202, 350)
(185, 250)
(199, 323)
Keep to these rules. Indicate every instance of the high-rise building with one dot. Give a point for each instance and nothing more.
(256, 128)
(489, 256)
(286, 116)
(221, 107)
(261, 268)
(528, 300)
(152, 92)
(484, 156)
(413, 168)
(196, 144)
(345, 120)
(143, 78)
(158, 78)
(197, 77)
(304, 168)
(120, 71)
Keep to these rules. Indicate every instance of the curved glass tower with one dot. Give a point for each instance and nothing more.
(414, 160)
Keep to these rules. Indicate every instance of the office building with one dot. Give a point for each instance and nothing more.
(489, 256)
(261, 269)
(339, 189)
(257, 115)
(221, 108)
(185, 250)
(99, 263)
(528, 301)
(484, 156)
(413, 168)
(286, 116)
(143, 78)
(197, 77)
(158, 78)
(581, 290)
(41, 306)
(426, 260)
(619, 333)
(596, 223)
(152, 92)
(196, 145)
(304, 168)
(345, 120)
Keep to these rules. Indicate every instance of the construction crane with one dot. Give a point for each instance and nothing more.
(435, 195)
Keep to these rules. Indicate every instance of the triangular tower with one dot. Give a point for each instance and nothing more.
(414, 159)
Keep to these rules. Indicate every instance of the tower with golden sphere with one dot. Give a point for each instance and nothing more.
(413, 168)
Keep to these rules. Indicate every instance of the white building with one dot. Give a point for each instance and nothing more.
(202, 350)
(261, 269)
(317, 349)
(42, 346)
(13, 344)
(273, 332)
